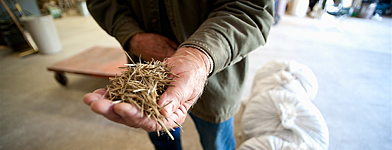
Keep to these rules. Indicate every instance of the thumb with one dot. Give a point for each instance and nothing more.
(170, 101)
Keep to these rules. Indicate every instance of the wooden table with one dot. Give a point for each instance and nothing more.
(96, 61)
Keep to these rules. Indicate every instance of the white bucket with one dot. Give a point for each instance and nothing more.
(299, 8)
(82, 8)
(44, 33)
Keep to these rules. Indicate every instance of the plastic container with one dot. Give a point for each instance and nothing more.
(82, 8)
(299, 7)
(44, 33)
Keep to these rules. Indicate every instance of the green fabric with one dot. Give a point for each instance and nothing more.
(226, 30)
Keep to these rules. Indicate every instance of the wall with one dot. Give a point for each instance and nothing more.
(29, 7)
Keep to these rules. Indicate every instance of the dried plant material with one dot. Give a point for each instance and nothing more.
(142, 85)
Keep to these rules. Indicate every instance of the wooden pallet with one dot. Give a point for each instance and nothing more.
(96, 61)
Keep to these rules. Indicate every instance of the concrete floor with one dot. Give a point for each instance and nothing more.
(352, 64)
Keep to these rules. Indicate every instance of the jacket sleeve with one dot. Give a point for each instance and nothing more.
(116, 18)
(232, 30)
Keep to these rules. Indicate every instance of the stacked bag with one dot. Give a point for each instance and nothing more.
(279, 114)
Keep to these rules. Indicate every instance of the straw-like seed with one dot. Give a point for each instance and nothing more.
(142, 85)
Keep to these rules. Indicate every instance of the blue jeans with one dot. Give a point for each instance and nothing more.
(213, 136)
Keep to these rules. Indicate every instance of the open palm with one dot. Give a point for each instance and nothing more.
(192, 67)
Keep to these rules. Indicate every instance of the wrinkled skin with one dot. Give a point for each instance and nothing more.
(190, 64)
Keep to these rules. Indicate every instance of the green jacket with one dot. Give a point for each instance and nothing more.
(226, 30)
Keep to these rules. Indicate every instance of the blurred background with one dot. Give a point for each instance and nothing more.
(347, 44)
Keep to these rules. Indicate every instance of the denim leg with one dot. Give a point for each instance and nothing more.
(163, 142)
(215, 136)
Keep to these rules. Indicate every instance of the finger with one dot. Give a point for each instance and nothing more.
(133, 117)
(177, 94)
(170, 101)
(102, 91)
(105, 108)
(96, 95)
(171, 43)
(176, 119)
(91, 97)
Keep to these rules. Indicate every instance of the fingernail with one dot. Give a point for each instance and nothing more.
(121, 113)
(132, 111)
(96, 98)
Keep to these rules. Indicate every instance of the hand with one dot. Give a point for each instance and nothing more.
(151, 45)
(190, 64)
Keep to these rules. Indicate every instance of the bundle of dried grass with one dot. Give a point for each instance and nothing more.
(142, 85)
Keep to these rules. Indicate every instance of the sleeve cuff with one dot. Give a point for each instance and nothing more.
(206, 53)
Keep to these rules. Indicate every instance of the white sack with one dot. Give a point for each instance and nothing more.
(301, 72)
(269, 142)
(274, 66)
(283, 114)
(282, 80)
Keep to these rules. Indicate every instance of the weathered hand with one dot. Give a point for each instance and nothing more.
(190, 64)
(151, 45)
